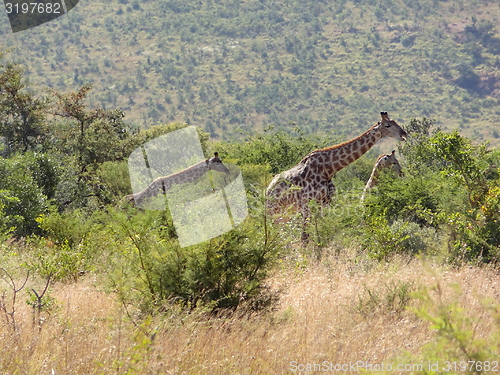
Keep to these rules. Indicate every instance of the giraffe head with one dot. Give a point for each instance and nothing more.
(390, 160)
(215, 164)
(389, 128)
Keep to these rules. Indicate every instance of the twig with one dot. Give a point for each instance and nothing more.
(3, 305)
(37, 308)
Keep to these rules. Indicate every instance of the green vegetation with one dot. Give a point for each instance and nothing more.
(229, 66)
(63, 169)
(59, 186)
(63, 175)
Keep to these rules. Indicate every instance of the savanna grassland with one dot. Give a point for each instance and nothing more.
(344, 309)
(410, 276)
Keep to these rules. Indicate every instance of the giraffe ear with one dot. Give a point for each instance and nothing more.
(385, 116)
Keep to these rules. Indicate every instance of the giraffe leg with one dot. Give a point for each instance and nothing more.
(306, 212)
(329, 195)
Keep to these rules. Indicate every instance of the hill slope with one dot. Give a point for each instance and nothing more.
(229, 64)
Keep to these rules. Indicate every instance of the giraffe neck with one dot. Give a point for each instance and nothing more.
(328, 161)
(162, 184)
(372, 182)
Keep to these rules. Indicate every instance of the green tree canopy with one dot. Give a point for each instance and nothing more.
(22, 114)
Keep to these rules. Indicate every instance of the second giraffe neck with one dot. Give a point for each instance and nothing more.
(165, 183)
(375, 173)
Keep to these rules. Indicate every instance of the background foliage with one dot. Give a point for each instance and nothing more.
(227, 65)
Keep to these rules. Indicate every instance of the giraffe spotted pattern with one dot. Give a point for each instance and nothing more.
(311, 178)
(383, 161)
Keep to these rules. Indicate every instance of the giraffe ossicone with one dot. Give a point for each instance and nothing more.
(383, 161)
(311, 178)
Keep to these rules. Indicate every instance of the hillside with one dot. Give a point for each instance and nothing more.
(229, 65)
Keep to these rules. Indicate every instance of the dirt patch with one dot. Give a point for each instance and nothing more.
(488, 84)
(456, 28)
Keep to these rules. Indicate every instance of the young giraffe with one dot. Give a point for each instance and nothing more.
(311, 178)
(383, 161)
(162, 184)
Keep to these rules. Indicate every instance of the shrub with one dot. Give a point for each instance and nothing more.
(27, 177)
(57, 262)
(474, 234)
(115, 176)
(381, 241)
(148, 267)
(7, 223)
(419, 240)
(68, 228)
(419, 155)
(456, 340)
(397, 196)
(475, 229)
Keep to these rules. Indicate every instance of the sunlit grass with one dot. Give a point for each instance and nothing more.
(346, 308)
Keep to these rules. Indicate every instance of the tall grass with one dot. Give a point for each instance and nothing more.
(345, 309)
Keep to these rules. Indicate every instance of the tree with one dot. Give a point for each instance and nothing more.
(468, 164)
(89, 138)
(27, 182)
(22, 115)
(468, 78)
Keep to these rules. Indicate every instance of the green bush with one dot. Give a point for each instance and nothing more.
(418, 154)
(419, 240)
(339, 223)
(7, 223)
(68, 228)
(474, 234)
(57, 262)
(115, 178)
(29, 178)
(380, 241)
(475, 225)
(397, 196)
(149, 269)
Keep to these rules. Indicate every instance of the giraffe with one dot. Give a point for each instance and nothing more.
(383, 161)
(311, 178)
(190, 174)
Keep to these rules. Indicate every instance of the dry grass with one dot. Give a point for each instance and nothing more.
(338, 311)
